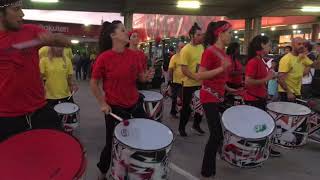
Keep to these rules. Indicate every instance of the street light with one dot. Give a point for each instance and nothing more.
(189, 4)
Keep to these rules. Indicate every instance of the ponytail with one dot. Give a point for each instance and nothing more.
(105, 41)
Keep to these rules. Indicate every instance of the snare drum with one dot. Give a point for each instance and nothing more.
(247, 136)
(141, 150)
(291, 121)
(314, 120)
(69, 112)
(153, 104)
(42, 155)
(196, 105)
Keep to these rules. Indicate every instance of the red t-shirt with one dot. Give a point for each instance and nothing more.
(21, 87)
(142, 59)
(236, 67)
(256, 69)
(212, 59)
(119, 72)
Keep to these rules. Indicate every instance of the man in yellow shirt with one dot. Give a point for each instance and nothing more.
(175, 75)
(190, 57)
(292, 68)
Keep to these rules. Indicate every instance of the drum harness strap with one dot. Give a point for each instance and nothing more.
(213, 93)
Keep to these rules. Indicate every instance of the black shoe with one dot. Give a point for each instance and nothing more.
(198, 130)
(274, 153)
(183, 133)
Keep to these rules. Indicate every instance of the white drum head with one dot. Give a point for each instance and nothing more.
(144, 134)
(151, 96)
(243, 120)
(66, 108)
(197, 94)
(288, 108)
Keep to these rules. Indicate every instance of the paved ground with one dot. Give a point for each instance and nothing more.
(187, 153)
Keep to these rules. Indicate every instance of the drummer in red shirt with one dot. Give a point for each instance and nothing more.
(236, 71)
(214, 70)
(23, 104)
(118, 68)
(258, 75)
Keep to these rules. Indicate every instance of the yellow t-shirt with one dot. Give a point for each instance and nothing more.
(294, 67)
(56, 72)
(177, 72)
(191, 56)
(43, 52)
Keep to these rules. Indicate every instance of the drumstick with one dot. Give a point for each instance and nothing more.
(27, 44)
(125, 122)
(303, 101)
(73, 92)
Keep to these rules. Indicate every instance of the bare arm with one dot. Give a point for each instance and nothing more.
(96, 90)
(188, 73)
(282, 82)
(204, 74)
(170, 74)
(146, 76)
(307, 70)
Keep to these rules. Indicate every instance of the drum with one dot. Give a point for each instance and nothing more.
(314, 120)
(196, 105)
(141, 150)
(247, 136)
(291, 123)
(69, 112)
(153, 104)
(42, 155)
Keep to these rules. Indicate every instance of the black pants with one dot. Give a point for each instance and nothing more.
(284, 97)
(78, 73)
(44, 118)
(176, 90)
(212, 111)
(105, 157)
(187, 94)
(261, 104)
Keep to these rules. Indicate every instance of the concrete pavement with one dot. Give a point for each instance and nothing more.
(187, 153)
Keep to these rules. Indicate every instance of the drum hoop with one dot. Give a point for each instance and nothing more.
(141, 150)
(289, 114)
(256, 139)
(83, 159)
(69, 113)
(152, 101)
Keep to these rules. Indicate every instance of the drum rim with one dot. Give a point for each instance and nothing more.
(68, 113)
(289, 114)
(256, 139)
(83, 157)
(141, 150)
(151, 91)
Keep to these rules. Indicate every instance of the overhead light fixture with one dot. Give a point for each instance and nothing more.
(236, 32)
(294, 26)
(189, 4)
(298, 31)
(273, 28)
(75, 41)
(263, 34)
(310, 9)
(236, 37)
(45, 1)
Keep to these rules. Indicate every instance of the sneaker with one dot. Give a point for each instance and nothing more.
(274, 153)
(182, 133)
(198, 130)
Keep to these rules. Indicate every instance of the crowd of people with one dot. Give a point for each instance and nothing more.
(30, 86)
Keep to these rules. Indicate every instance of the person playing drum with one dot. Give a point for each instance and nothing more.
(236, 74)
(214, 69)
(23, 105)
(118, 68)
(57, 71)
(258, 75)
(292, 68)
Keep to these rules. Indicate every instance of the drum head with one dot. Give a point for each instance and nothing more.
(288, 108)
(145, 135)
(197, 94)
(66, 108)
(243, 120)
(151, 96)
(41, 154)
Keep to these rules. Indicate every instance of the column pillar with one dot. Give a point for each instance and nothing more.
(256, 27)
(128, 20)
(247, 34)
(315, 32)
